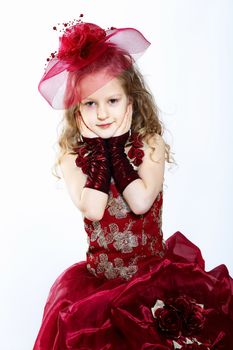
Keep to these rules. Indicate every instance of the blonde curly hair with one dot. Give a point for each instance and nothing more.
(145, 119)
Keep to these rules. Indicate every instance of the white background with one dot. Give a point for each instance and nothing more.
(189, 69)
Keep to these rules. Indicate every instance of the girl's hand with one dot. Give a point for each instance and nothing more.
(84, 130)
(126, 123)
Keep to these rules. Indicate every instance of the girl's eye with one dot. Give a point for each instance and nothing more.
(114, 100)
(89, 103)
(92, 103)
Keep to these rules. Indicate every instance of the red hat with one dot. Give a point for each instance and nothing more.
(81, 46)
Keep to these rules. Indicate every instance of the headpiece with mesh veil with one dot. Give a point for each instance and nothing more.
(85, 47)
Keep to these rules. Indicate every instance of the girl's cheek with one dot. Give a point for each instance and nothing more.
(88, 115)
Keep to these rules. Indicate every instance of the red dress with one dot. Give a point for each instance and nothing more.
(136, 291)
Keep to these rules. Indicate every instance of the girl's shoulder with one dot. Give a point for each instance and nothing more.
(155, 140)
(156, 148)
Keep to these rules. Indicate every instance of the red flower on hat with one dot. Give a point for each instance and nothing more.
(78, 40)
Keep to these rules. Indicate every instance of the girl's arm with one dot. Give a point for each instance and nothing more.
(141, 193)
(90, 202)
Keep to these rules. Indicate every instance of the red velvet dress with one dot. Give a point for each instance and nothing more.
(136, 291)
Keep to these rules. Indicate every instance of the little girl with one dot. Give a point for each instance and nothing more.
(134, 291)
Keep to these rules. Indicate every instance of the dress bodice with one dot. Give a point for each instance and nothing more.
(121, 239)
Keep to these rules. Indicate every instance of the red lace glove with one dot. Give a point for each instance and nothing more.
(97, 167)
(121, 168)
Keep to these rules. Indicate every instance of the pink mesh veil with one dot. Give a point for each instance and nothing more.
(83, 49)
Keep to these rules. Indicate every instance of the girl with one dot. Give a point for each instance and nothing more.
(134, 291)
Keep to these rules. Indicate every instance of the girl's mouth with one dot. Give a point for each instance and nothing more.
(104, 126)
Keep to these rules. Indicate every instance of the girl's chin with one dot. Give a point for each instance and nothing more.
(106, 132)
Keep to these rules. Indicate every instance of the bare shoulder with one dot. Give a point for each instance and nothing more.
(156, 140)
(152, 168)
(70, 171)
(68, 160)
(156, 147)
(67, 164)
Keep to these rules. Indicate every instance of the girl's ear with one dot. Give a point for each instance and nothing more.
(78, 113)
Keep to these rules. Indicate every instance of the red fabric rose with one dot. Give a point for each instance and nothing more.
(83, 160)
(135, 152)
(169, 321)
(77, 42)
(136, 139)
(191, 314)
(182, 304)
(194, 322)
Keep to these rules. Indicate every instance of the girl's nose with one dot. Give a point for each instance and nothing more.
(102, 113)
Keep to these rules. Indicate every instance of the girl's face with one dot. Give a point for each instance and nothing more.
(104, 110)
